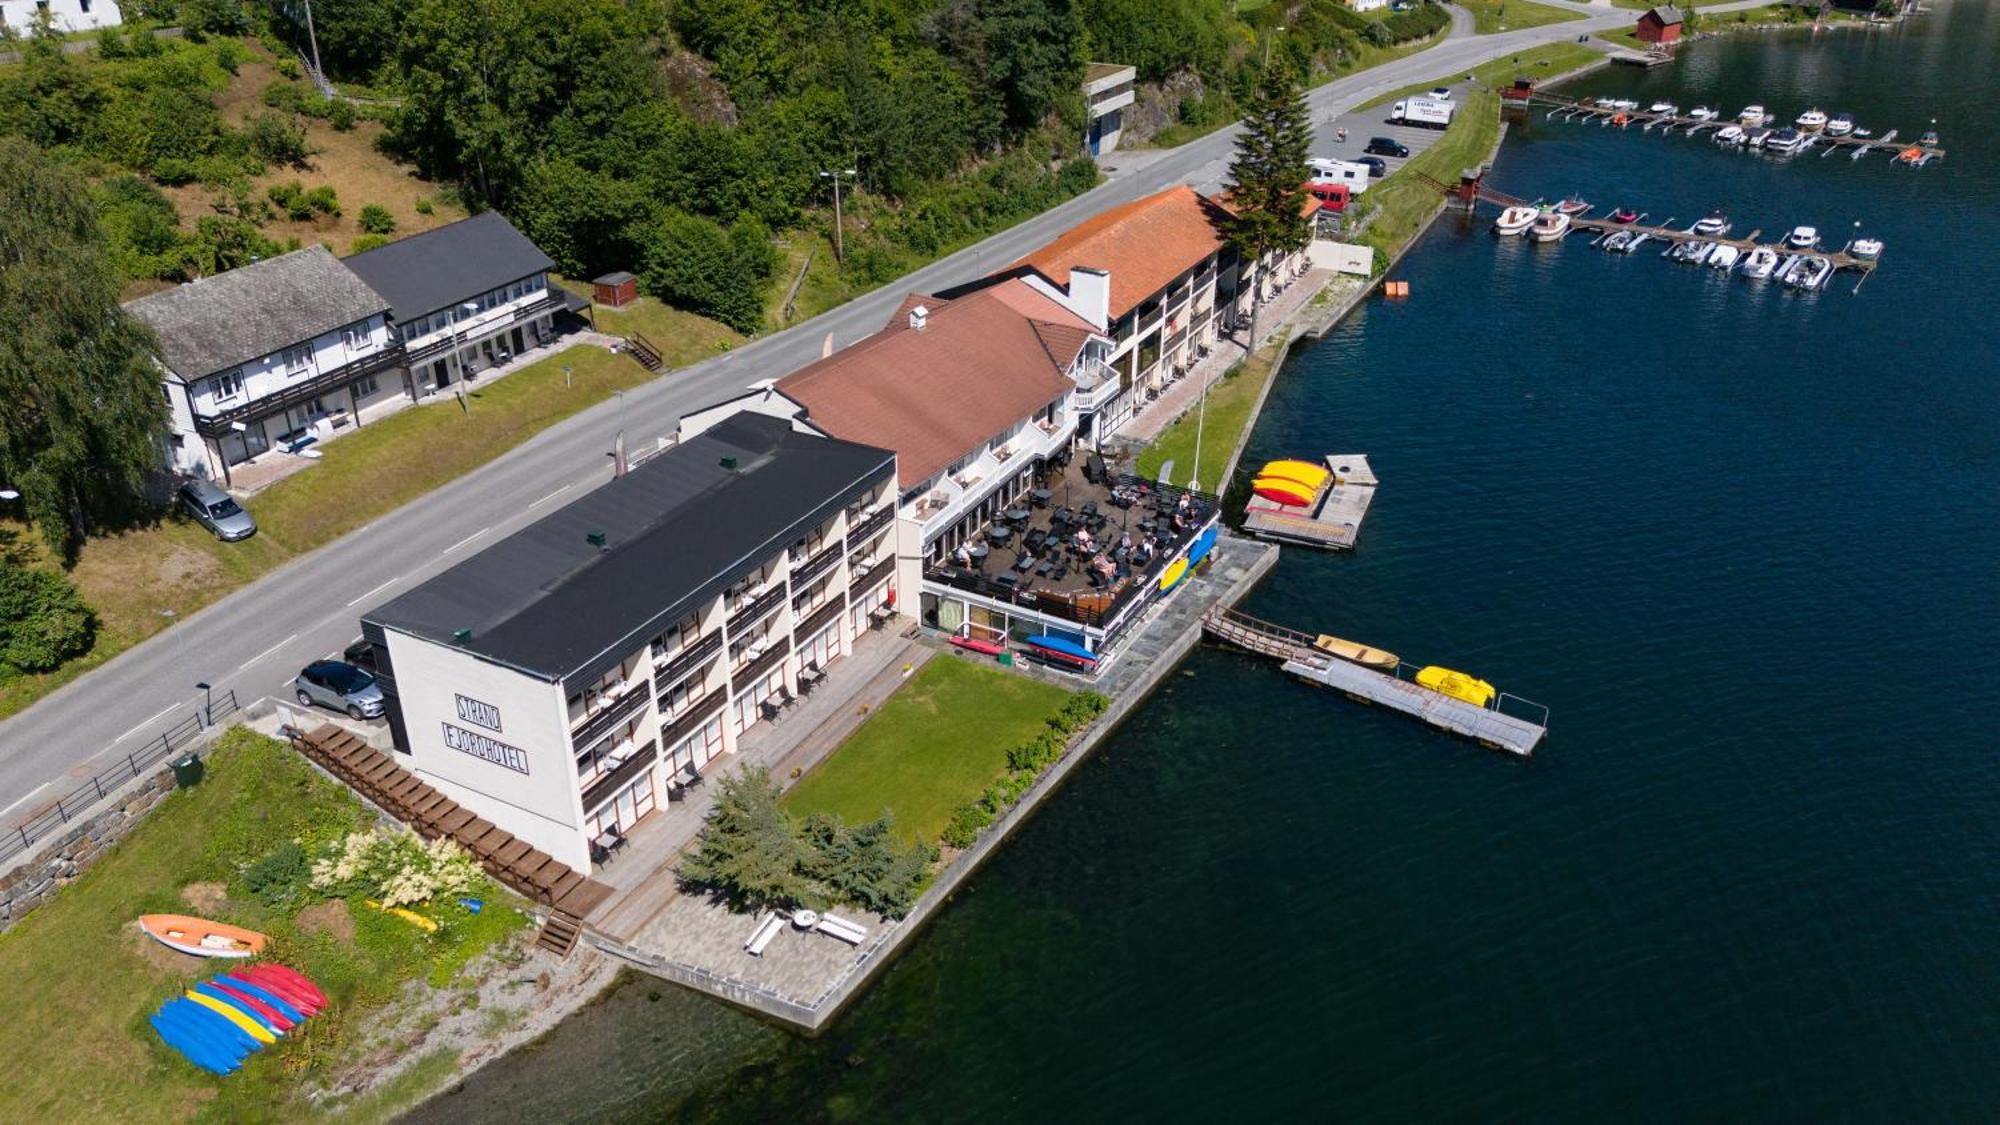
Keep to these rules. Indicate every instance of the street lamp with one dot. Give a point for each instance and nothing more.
(839, 243)
(207, 704)
(1267, 44)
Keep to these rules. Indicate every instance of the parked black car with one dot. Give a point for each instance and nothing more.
(1387, 146)
(361, 654)
(1377, 167)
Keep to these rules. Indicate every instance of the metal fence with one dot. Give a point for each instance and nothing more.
(85, 798)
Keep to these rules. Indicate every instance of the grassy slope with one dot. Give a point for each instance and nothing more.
(130, 578)
(1367, 56)
(682, 337)
(1541, 63)
(935, 745)
(1228, 415)
(82, 979)
(1490, 16)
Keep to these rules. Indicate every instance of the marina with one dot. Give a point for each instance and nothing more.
(1449, 701)
(1813, 130)
(1328, 516)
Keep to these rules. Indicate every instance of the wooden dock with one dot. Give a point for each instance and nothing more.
(1493, 727)
(1333, 521)
(1588, 111)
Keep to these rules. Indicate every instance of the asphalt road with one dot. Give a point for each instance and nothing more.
(256, 639)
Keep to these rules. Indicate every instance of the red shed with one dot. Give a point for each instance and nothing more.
(1660, 26)
(616, 290)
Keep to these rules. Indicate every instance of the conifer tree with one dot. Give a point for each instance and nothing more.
(1268, 177)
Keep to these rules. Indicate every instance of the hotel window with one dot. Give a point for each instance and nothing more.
(697, 749)
(228, 385)
(675, 701)
(296, 359)
(822, 649)
(364, 387)
(357, 337)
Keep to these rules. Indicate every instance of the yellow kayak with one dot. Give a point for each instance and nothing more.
(1175, 571)
(1304, 472)
(410, 916)
(250, 1027)
(1359, 654)
(1458, 685)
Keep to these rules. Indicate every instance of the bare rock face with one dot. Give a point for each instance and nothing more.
(688, 81)
(1158, 105)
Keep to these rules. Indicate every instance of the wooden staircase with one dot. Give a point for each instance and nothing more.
(559, 933)
(644, 351)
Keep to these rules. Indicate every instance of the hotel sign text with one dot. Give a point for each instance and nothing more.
(478, 714)
(487, 749)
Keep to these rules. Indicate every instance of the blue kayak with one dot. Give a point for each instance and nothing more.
(273, 999)
(261, 1020)
(194, 1042)
(229, 1040)
(1062, 647)
(1201, 547)
(216, 1022)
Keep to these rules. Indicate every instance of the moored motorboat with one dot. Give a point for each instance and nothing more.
(1930, 138)
(1729, 135)
(1866, 248)
(1638, 236)
(1457, 685)
(1803, 238)
(1811, 120)
(1616, 240)
(1573, 206)
(1703, 113)
(1624, 215)
(1357, 653)
(1664, 109)
(1790, 265)
(1760, 262)
(1785, 142)
(1839, 125)
(1713, 225)
(1755, 137)
(1514, 221)
(1752, 115)
(1549, 226)
(202, 937)
(1811, 272)
(1863, 133)
(1723, 257)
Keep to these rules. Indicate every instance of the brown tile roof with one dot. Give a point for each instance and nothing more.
(982, 362)
(1145, 245)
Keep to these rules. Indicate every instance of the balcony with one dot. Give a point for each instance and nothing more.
(761, 665)
(873, 576)
(598, 723)
(758, 608)
(474, 326)
(690, 720)
(687, 661)
(216, 425)
(819, 564)
(621, 775)
(819, 620)
(875, 522)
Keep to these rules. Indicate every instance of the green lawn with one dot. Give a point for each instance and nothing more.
(82, 979)
(1228, 415)
(683, 337)
(1490, 16)
(132, 577)
(934, 746)
(1401, 203)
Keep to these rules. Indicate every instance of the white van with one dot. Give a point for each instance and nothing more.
(1354, 175)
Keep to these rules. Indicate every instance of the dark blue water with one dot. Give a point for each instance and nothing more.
(1742, 542)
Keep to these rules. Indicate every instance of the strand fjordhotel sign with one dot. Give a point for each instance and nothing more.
(483, 747)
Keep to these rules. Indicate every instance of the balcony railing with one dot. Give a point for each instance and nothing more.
(750, 673)
(690, 720)
(687, 661)
(621, 775)
(819, 619)
(874, 575)
(755, 611)
(216, 425)
(593, 726)
(461, 333)
(876, 521)
(819, 564)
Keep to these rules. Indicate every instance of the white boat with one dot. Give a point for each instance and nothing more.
(1788, 267)
(1625, 104)
(1514, 221)
(1714, 225)
(1752, 116)
(1811, 272)
(1802, 238)
(1667, 109)
(1549, 226)
(1760, 263)
(1616, 240)
(1703, 113)
(1637, 238)
(1868, 249)
(1785, 142)
(1723, 258)
(1839, 125)
(1811, 120)
(1862, 133)
(1729, 135)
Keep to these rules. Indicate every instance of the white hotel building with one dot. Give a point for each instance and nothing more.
(562, 682)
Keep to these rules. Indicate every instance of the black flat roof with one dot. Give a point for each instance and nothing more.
(447, 266)
(678, 530)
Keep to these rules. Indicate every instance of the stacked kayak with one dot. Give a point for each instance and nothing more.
(1293, 484)
(220, 1021)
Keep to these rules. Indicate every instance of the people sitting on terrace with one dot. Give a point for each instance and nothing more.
(962, 556)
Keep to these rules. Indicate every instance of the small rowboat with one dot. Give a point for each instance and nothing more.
(1357, 653)
(201, 937)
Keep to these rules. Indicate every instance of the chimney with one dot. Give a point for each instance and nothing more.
(1090, 295)
(918, 316)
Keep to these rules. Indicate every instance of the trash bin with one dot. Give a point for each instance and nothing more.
(1006, 659)
(187, 770)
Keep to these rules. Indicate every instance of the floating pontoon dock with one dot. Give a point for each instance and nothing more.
(1489, 726)
(1333, 521)
(1590, 110)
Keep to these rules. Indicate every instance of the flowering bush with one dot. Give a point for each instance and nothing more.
(395, 867)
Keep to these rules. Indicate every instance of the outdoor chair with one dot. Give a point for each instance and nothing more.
(785, 696)
(769, 710)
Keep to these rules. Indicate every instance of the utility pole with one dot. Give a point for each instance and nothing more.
(1267, 44)
(839, 239)
(312, 37)
(1200, 417)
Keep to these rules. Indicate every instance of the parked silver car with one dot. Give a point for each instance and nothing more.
(216, 510)
(341, 686)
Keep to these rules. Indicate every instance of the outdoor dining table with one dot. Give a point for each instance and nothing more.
(978, 551)
(1017, 515)
(1041, 497)
(999, 534)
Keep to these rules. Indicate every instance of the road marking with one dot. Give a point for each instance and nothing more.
(375, 591)
(26, 799)
(550, 496)
(267, 652)
(464, 541)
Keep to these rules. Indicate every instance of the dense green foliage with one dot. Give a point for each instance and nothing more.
(80, 410)
(1025, 764)
(758, 856)
(43, 620)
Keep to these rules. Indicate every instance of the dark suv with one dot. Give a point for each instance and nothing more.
(1387, 146)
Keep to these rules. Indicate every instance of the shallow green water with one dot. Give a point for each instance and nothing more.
(1742, 543)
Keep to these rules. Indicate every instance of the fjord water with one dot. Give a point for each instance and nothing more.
(1741, 542)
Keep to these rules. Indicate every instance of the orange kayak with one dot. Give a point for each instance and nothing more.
(201, 937)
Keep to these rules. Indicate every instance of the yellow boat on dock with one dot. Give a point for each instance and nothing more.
(1358, 653)
(1458, 685)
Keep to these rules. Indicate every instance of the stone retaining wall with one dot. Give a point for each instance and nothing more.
(64, 856)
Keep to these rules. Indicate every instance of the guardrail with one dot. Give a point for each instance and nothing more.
(86, 797)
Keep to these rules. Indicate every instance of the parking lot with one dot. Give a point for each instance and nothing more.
(1361, 124)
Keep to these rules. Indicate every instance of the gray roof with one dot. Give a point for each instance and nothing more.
(1667, 13)
(219, 322)
(679, 530)
(441, 268)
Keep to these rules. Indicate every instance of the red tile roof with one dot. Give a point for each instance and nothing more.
(981, 363)
(1144, 244)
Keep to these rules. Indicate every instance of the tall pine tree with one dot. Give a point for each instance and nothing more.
(1268, 177)
(81, 418)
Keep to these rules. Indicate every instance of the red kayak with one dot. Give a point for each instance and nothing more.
(276, 1017)
(976, 645)
(288, 983)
